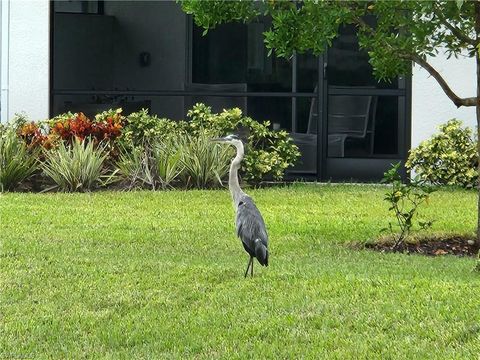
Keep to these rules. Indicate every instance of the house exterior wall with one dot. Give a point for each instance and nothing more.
(25, 73)
(430, 106)
(26, 58)
(159, 35)
(3, 58)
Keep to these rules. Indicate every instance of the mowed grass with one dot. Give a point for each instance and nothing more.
(160, 275)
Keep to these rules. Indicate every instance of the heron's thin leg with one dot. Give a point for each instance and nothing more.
(248, 266)
(252, 268)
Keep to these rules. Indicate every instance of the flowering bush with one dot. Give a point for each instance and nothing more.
(447, 158)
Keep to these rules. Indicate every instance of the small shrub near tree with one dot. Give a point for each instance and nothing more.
(404, 200)
(476, 268)
(447, 158)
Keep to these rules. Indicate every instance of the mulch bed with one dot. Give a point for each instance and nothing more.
(455, 245)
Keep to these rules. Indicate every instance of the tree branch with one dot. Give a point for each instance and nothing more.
(455, 31)
(458, 101)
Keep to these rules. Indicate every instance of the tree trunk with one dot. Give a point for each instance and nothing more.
(477, 58)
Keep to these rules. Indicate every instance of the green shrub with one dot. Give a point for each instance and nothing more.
(190, 160)
(17, 162)
(76, 167)
(447, 158)
(476, 268)
(140, 127)
(268, 153)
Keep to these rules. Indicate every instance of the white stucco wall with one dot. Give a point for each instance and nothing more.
(28, 58)
(3, 59)
(430, 106)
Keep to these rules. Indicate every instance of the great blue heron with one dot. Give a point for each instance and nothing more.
(250, 225)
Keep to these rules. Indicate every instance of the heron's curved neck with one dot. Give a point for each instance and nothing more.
(233, 184)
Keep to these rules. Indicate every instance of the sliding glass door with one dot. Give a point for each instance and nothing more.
(364, 120)
(230, 66)
(347, 125)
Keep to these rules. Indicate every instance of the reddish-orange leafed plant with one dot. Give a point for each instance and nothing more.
(81, 127)
(33, 136)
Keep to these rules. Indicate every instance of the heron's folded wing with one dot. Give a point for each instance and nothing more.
(250, 224)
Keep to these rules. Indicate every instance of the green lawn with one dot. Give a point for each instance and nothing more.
(154, 275)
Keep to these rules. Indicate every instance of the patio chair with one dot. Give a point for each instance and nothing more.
(349, 117)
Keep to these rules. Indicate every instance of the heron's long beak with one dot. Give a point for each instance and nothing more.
(218, 140)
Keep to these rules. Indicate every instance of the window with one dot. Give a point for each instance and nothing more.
(235, 54)
(136, 54)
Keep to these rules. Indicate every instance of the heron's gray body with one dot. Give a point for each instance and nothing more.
(250, 226)
(251, 229)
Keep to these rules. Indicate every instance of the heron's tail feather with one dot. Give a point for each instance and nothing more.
(261, 252)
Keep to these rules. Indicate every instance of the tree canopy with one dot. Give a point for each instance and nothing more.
(394, 33)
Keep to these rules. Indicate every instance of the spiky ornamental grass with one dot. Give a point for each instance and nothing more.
(76, 167)
(17, 162)
(154, 165)
(205, 163)
(167, 161)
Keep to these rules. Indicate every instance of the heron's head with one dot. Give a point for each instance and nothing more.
(229, 139)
